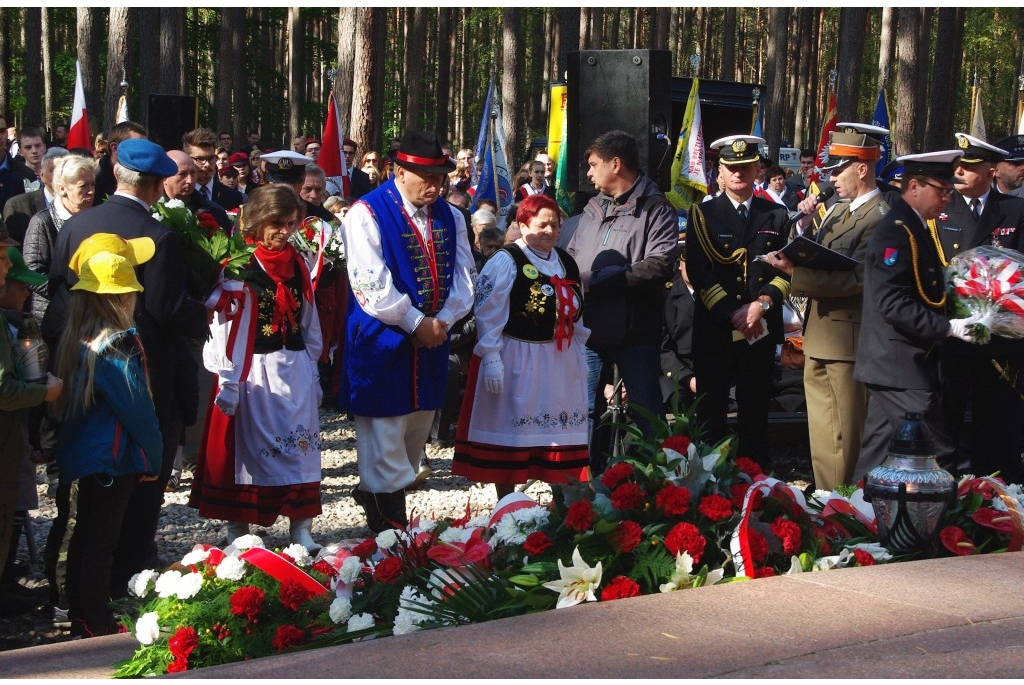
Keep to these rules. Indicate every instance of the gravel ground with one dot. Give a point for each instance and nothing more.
(441, 495)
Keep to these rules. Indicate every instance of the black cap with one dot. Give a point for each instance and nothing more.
(937, 165)
(1014, 146)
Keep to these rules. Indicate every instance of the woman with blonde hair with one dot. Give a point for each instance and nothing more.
(110, 436)
(260, 455)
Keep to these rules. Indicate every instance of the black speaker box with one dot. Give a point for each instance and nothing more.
(628, 90)
(169, 117)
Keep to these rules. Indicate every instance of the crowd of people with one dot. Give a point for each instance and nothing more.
(442, 323)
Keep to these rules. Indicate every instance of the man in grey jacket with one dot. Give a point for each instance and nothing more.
(625, 247)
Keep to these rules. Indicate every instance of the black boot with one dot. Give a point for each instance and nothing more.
(394, 509)
(374, 514)
(384, 510)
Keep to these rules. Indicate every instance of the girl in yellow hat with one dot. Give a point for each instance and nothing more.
(109, 438)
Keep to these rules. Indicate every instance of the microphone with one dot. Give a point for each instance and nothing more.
(820, 197)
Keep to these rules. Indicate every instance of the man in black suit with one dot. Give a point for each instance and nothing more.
(678, 382)
(165, 317)
(358, 181)
(904, 320)
(13, 173)
(737, 320)
(182, 185)
(977, 214)
(201, 144)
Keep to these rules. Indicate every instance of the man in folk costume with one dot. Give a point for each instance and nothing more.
(836, 401)
(411, 273)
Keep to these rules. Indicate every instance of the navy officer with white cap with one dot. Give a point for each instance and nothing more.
(904, 319)
(737, 319)
(980, 375)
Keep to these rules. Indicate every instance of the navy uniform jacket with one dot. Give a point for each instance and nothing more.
(904, 300)
(720, 251)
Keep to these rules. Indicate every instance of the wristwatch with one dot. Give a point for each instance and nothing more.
(766, 304)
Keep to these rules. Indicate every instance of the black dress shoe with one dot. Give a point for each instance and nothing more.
(12, 604)
(15, 589)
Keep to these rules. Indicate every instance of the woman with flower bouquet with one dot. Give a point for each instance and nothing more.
(110, 437)
(260, 455)
(524, 415)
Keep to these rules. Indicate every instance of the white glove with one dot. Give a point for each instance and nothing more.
(227, 398)
(958, 328)
(494, 373)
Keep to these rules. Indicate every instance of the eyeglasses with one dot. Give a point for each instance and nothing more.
(208, 159)
(943, 191)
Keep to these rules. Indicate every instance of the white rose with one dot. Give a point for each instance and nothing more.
(147, 630)
(174, 204)
(231, 568)
(167, 583)
(360, 622)
(341, 610)
(188, 586)
(141, 583)
(387, 539)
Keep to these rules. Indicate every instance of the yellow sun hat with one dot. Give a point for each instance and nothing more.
(107, 273)
(136, 250)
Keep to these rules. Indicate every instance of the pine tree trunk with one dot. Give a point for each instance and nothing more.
(223, 77)
(908, 53)
(596, 28)
(947, 61)
(511, 66)
(852, 25)
(803, 78)
(6, 16)
(729, 45)
(170, 49)
(569, 39)
(442, 105)
(346, 65)
(778, 24)
(663, 20)
(295, 74)
(88, 56)
(149, 67)
(118, 40)
(413, 84)
(46, 43)
(921, 112)
(887, 46)
(33, 115)
(368, 25)
(240, 92)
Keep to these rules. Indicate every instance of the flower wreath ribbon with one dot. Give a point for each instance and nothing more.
(566, 303)
(235, 303)
(740, 542)
(281, 570)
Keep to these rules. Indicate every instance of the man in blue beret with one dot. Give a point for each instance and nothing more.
(165, 317)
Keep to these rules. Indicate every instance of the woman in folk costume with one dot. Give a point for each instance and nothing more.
(260, 456)
(524, 415)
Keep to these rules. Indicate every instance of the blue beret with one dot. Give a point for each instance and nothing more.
(146, 157)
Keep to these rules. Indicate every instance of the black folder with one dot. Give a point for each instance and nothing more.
(806, 253)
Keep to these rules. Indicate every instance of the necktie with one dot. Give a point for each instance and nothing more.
(742, 211)
(976, 207)
(205, 192)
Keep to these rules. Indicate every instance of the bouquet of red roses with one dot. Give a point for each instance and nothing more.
(986, 284)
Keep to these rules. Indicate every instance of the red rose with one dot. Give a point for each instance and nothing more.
(177, 665)
(626, 536)
(674, 500)
(679, 443)
(580, 516)
(287, 636)
(620, 587)
(956, 541)
(388, 570)
(247, 601)
(183, 642)
(738, 492)
(749, 467)
(997, 520)
(537, 543)
(365, 549)
(685, 537)
(863, 557)
(616, 474)
(207, 222)
(293, 595)
(715, 507)
(628, 496)
(758, 547)
(788, 534)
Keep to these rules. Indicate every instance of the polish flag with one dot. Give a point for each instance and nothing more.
(332, 159)
(78, 134)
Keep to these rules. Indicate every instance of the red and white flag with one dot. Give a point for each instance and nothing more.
(78, 134)
(831, 121)
(332, 159)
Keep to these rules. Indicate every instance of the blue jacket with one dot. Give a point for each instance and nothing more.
(119, 434)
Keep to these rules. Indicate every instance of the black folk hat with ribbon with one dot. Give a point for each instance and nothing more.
(420, 151)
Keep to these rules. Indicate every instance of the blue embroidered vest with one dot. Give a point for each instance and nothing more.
(384, 374)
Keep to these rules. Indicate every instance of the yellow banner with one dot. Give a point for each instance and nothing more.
(559, 94)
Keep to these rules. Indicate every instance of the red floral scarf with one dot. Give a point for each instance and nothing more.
(280, 265)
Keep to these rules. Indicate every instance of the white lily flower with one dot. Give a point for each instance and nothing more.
(683, 577)
(577, 583)
(794, 566)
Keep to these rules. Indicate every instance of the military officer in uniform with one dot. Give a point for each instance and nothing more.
(836, 401)
(904, 318)
(738, 313)
(982, 377)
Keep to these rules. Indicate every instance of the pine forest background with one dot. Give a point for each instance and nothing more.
(403, 68)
